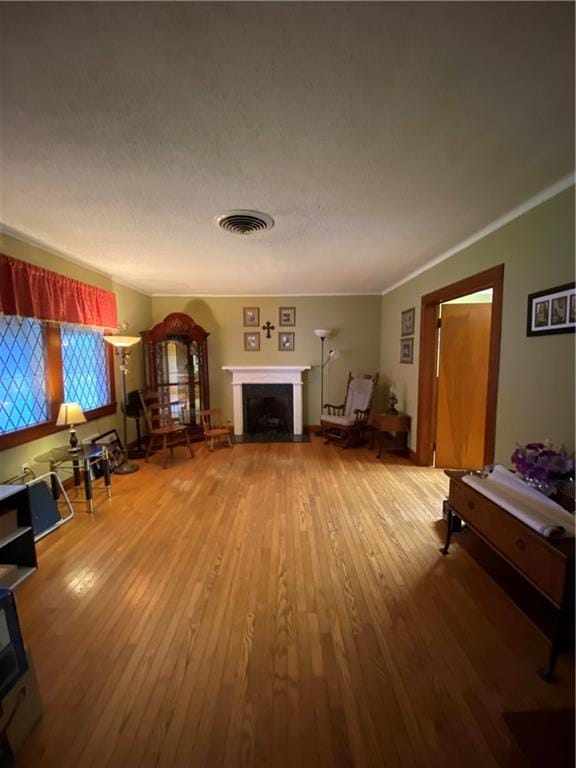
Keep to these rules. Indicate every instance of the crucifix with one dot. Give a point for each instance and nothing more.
(268, 327)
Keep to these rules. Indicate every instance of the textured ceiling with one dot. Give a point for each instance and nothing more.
(378, 135)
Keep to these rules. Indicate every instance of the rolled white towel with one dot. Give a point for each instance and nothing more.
(527, 504)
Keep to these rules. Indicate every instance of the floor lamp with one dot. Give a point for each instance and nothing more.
(122, 346)
(322, 334)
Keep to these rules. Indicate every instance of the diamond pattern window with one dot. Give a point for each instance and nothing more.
(85, 367)
(23, 390)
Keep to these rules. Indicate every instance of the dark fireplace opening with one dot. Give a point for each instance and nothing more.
(268, 409)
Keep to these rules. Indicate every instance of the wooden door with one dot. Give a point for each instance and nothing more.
(462, 385)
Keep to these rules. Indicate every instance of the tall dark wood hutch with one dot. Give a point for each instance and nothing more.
(176, 367)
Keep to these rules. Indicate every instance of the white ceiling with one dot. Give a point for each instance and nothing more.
(377, 135)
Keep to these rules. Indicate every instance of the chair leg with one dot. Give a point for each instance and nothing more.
(164, 451)
(187, 436)
(211, 443)
(149, 450)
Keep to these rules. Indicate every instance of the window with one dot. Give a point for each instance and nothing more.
(84, 367)
(23, 397)
(43, 365)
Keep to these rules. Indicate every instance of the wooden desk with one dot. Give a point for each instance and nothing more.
(392, 432)
(547, 564)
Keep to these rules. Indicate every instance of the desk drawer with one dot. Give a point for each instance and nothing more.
(529, 552)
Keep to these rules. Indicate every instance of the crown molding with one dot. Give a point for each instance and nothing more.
(565, 183)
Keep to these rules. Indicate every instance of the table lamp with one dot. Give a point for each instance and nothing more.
(122, 345)
(71, 414)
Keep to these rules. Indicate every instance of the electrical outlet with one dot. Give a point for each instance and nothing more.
(25, 468)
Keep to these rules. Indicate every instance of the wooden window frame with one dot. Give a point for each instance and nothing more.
(55, 393)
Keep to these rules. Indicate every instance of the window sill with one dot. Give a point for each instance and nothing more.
(22, 436)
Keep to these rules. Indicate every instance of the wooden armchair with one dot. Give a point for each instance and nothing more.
(214, 429)
(345, 424)
(164, 427)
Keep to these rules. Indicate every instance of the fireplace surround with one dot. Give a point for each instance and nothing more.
(261, 374)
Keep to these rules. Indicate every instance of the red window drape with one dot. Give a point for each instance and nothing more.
(30, 291)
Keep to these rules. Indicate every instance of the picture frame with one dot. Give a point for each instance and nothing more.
(251, 317)
(552, 311)
(286, 341)
(287, 316)
(406, 351)
(116, 455)
(408, 322)
(252, 341)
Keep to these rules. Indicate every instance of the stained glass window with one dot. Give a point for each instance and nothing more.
(23, 397)
(85, 368)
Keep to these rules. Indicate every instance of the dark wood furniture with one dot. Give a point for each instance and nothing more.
(547, 564)
(391, 432)
(17, 548)
(176, 367)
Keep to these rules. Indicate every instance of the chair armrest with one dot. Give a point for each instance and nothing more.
(334, 410)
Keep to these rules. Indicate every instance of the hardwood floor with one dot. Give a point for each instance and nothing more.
(274, 605)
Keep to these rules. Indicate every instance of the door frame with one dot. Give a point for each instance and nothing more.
(490, 278)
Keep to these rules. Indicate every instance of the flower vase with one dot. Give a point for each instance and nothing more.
(547, 488)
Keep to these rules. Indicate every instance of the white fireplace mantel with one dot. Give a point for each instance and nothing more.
(266, 374)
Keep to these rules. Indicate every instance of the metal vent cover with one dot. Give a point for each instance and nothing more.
(244, 222)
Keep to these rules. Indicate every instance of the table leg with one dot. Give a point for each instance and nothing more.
(450, 528)
(76, 470)
(54, 482)
(88, 486)
(106, 472)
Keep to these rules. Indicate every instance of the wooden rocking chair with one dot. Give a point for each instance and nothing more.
(346, 424)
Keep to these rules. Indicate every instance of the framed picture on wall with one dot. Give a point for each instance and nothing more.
(287, 316)
(407, 324)
(251, 316)
(406, 350)
(552, 311)
(286, 342)
(252, 342)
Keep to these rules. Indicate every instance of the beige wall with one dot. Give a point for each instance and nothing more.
(536, 384)
(356, 324)
(133, 308)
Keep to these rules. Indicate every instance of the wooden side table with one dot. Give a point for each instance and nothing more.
(392, 432)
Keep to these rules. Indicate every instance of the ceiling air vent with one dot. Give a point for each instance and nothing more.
(245, 222)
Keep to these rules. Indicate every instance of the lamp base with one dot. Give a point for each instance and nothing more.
(126, 469)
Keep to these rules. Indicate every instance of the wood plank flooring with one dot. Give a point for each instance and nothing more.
(274, 605)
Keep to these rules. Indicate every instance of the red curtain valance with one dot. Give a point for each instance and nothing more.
(30, 291)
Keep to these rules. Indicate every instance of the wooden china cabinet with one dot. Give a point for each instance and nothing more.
(176, 367)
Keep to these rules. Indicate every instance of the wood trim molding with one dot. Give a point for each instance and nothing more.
(491, 278)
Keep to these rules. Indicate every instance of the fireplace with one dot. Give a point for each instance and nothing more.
(287, 376)
(267, 408)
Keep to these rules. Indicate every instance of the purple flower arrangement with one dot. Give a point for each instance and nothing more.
(539, 461)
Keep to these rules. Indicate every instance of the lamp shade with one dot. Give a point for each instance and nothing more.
(323, 333)
(70, 414)
(122, 341)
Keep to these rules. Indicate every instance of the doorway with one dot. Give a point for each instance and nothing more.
(462, 358)
(458, 374)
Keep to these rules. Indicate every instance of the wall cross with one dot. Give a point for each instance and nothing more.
(268, 327)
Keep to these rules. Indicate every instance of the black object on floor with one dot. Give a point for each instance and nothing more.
(270, 437)
(546, 737)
